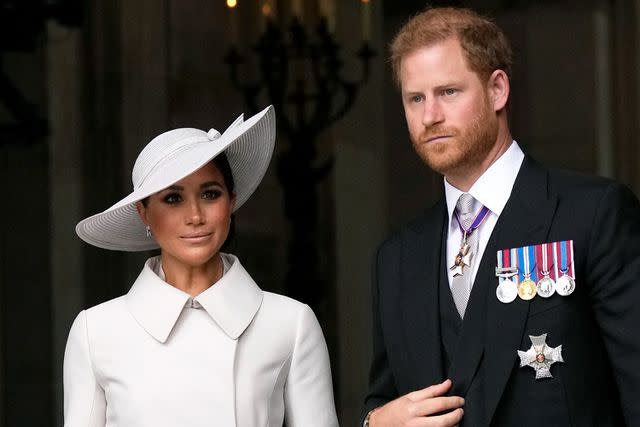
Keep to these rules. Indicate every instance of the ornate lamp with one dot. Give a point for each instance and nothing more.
(306, 103)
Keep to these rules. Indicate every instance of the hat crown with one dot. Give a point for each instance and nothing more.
(164, 147)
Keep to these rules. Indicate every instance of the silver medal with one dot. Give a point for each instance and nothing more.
(546, 287)
(507, 291)
(565, 285)
(540, 356)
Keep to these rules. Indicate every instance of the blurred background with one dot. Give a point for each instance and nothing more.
(85, 84)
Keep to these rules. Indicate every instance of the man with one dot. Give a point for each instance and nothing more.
(514, 300)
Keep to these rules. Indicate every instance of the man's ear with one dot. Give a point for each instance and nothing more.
(142, 212)
(498, 89)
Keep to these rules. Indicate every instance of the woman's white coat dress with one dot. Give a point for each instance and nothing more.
(232, 356)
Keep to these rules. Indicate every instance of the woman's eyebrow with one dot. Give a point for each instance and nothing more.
(210, 183)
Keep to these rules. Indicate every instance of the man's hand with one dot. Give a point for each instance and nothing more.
(416, 408)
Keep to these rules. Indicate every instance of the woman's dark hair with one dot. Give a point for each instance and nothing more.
(222, 163)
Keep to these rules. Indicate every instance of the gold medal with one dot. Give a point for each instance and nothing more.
(527, 289)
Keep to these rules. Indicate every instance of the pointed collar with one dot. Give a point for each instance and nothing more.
(232, 301)
(494, 186)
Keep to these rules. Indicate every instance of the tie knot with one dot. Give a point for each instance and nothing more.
(464, 207)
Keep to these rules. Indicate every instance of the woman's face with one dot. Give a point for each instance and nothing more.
(190, 220)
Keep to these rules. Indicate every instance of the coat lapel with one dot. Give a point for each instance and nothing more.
(421, 316)
(525, 221)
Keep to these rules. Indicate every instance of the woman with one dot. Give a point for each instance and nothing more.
(195, 342)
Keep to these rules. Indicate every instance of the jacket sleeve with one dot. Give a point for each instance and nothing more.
(382, 387)
(84, 399)
(308, 391)
(613, 271)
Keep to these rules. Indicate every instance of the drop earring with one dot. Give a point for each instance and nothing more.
(148, 231)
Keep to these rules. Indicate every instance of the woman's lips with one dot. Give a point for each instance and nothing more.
(197, 237)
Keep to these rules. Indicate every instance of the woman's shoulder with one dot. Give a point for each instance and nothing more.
(286, 311)
(283, 304)
(115, 305)
(103, 315)
(285, 324)
(94, 324)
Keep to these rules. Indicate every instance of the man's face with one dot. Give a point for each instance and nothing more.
(451, 121)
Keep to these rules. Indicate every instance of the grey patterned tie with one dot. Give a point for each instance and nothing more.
(461, 285)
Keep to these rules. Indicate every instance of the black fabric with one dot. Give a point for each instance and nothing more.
(599, 383)
(450, 321)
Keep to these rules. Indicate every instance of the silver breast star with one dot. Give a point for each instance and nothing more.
(540, 356)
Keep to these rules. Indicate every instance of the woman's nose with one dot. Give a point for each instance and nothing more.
(195, 215)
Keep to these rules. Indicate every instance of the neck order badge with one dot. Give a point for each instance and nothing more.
(465, 253)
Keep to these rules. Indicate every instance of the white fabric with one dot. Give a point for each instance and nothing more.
(170, 157)
(492, 190)
(245, 358)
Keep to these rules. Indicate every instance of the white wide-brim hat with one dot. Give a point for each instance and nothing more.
(172, 156)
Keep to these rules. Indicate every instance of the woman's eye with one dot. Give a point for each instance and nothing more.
(172, 198)
(211, 194)
(416, 98)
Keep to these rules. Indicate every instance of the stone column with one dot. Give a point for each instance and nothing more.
(361, 209)
(603, 101)
(65, 77)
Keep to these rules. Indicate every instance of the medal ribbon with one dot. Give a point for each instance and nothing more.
(504, 264)
(563, 258)
(513, 253)
(556, 259)
(526, 257)
(479, 219)
(542, 259)
(564, 250)
(531, 258)
(508, 259)
(567, 246)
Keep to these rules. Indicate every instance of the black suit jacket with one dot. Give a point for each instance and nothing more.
(598, 325)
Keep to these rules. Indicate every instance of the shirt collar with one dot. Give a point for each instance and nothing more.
(232, 301)
(494, 186)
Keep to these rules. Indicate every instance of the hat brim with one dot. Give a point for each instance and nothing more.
(248, 146)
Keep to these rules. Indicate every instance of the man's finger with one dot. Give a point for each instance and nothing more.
(435, 405)
(447, 420)
(431, 391)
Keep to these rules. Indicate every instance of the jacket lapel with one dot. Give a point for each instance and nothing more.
(525, 221)
(419, 292)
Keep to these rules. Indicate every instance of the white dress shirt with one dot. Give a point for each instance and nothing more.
(492, 190)
(231, 356)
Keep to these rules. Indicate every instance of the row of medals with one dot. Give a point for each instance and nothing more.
(508, 290)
